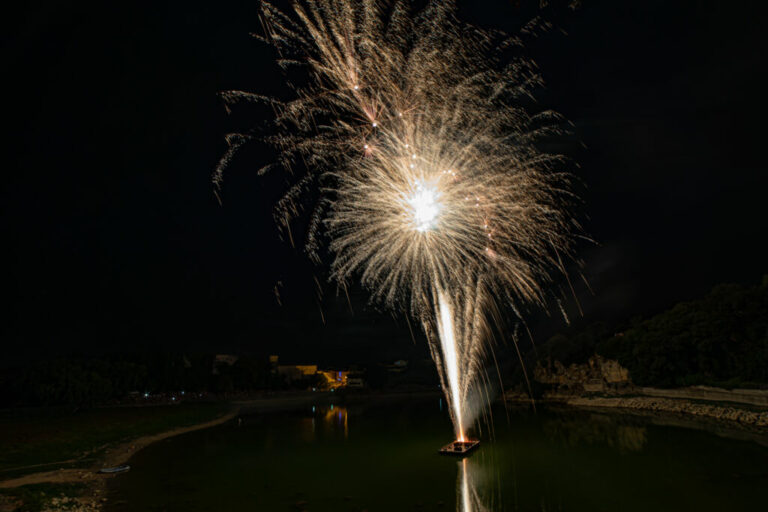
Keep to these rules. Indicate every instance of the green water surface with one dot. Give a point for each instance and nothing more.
(384, 458)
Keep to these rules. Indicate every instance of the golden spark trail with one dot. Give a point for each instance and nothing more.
(450, 360)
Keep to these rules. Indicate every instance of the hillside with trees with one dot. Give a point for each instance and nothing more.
(720, 340)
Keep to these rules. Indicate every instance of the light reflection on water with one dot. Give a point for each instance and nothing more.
(479, 486)
(478, 480)
(331, 418)
(601, 429)
(478, 489)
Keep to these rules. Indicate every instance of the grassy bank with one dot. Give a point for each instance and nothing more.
(39, 497)
(33, 441)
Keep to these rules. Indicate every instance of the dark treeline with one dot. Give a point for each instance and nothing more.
(152, 378)
(86, 381)
(720, 339)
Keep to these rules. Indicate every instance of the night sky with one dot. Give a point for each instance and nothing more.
(113, 239)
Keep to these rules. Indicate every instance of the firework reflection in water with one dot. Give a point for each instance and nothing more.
(413, 144)
(477, 486)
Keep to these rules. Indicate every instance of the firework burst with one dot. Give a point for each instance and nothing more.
(413, 129)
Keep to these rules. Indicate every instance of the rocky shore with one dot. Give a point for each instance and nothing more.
(721, 412)
(604, 383)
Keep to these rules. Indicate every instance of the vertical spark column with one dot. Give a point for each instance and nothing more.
(450, 349)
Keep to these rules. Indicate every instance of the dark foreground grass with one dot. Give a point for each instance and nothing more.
(48, 440)
(37, 497)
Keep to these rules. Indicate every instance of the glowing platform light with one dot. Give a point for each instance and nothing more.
(424, 207)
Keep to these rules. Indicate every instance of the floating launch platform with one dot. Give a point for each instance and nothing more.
(460, 448)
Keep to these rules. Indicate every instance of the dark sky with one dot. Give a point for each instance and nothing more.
(113, 239)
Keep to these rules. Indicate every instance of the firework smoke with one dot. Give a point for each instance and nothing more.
(413, 129)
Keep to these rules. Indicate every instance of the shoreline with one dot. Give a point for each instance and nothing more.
(118, 455)
(732, 416)
(725, 429)
(121, 453)
(94, 482)
(735, 416)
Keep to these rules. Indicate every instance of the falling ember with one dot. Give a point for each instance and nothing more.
(445, 247)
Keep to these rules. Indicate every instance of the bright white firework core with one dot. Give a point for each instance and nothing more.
(424, 207)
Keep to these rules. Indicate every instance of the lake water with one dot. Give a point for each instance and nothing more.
(383, 457)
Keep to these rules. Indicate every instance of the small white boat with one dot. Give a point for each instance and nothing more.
(116, 469)
(460, 448)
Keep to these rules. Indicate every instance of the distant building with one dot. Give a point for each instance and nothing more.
(333, 379)
(220, 360)
(329, 379)
(228, 359)
(297, 372)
